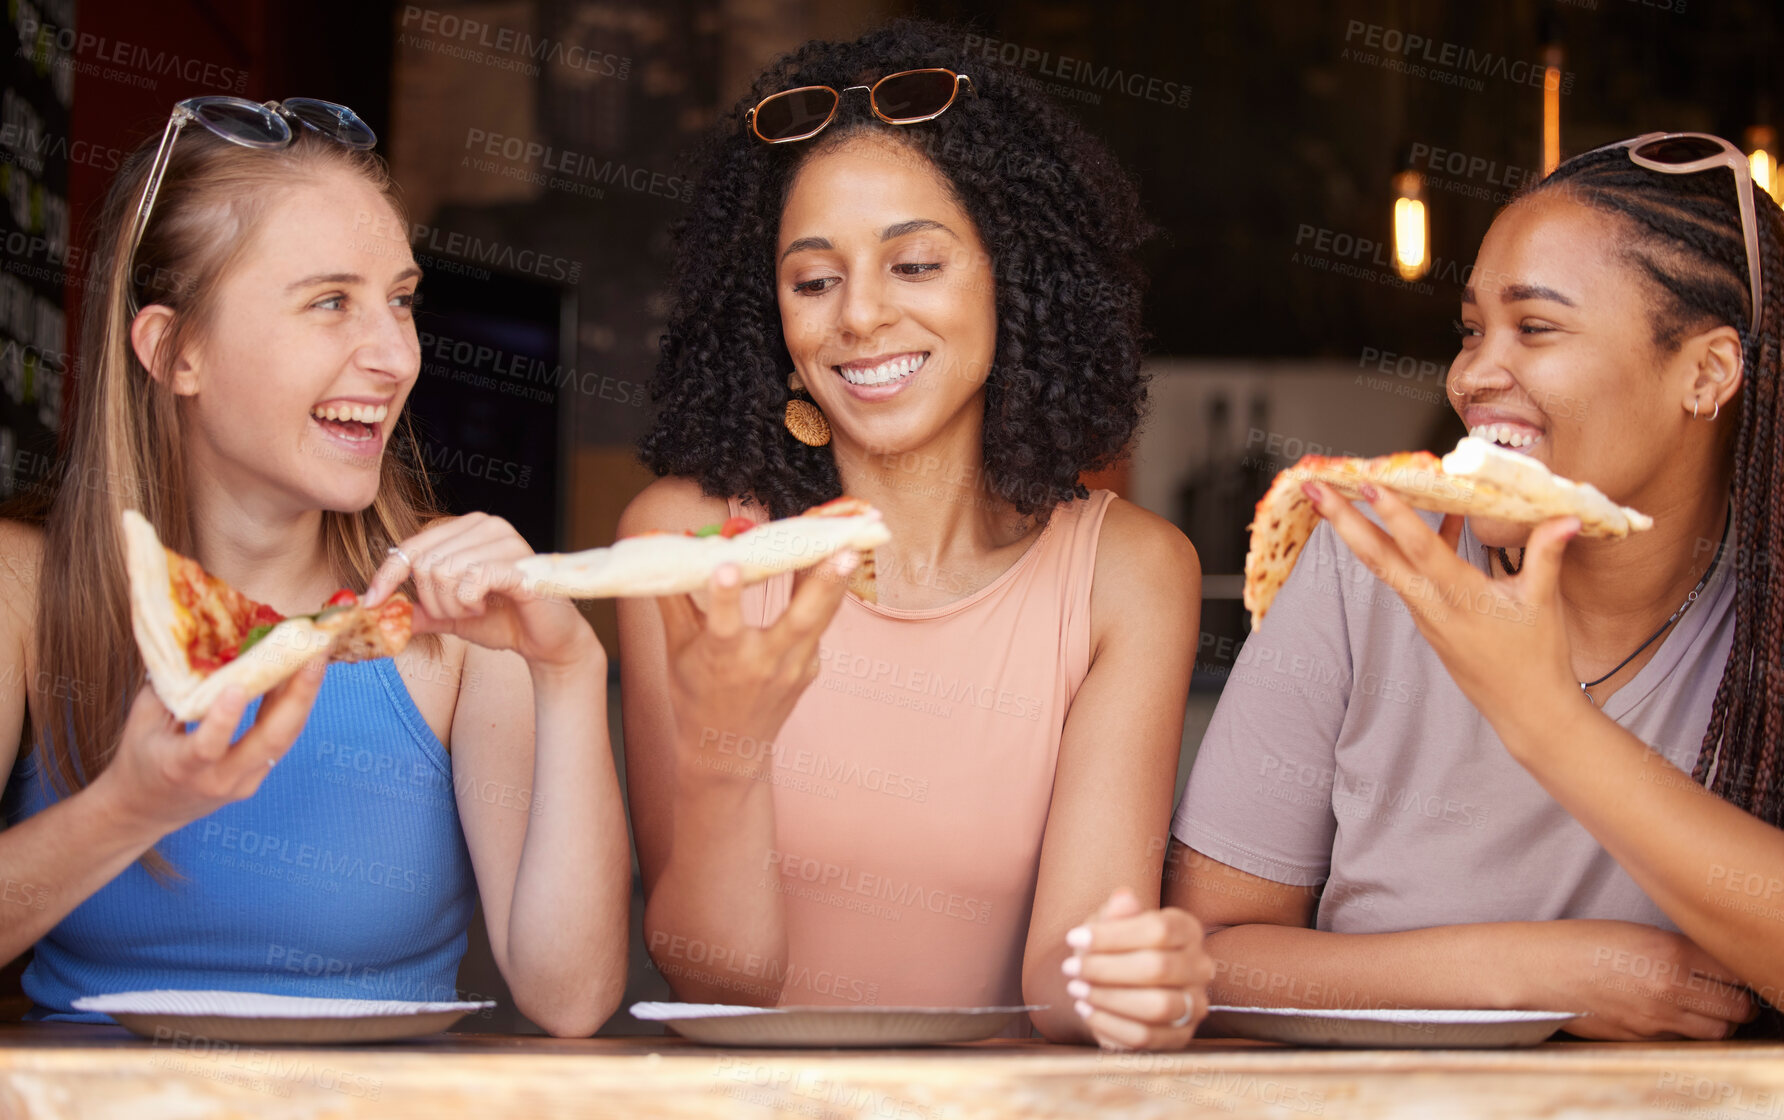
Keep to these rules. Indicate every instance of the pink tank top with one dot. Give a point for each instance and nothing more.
(913, 779)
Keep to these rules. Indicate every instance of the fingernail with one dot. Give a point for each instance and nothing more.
(727, 576)
(1077, 989)
(1078, 938)
(1071, 966)
(1370, 493)
(1311, 491)
(1083, 1009)
(846, 561)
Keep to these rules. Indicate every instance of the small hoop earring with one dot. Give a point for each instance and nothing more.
(1693, 408)
(1716, 413)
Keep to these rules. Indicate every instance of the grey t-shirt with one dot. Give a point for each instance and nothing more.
(1342, 752)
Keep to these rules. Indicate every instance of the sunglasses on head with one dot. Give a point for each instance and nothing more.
(252, 125)
(1686, 153)
(907, 97)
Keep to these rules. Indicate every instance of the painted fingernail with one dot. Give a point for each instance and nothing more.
(1083, 1009)
(1370, 493)
(1311, 491)
(1071, 966)
(1078, 938)
(1077, 989)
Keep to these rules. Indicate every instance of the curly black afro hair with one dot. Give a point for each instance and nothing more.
(1059, 217)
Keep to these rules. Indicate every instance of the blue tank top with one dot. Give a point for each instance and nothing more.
(345, 875)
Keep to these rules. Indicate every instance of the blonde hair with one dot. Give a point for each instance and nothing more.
(125, 446)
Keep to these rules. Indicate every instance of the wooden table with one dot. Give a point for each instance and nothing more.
(56, 1071)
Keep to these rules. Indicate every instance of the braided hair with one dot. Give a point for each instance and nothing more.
(1058, 216)
(1686, 238)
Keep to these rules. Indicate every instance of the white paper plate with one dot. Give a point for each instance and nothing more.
(255, 1017)
(724, 1024)
(1384, 1028)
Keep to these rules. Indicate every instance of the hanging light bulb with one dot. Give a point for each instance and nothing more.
(1551, 109)
(1412, 253)
(1760, 141)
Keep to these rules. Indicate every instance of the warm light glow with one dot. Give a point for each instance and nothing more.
(1764, 165)
(1765, 170)
(1409, 238)
(1551, 111)
(1412, 255)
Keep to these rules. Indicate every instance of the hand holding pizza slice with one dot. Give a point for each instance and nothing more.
(198, 635)
(665, 563)
(1477, 479)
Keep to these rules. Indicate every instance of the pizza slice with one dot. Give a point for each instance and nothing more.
(669, 563)
(198, 635)
(1478, 479)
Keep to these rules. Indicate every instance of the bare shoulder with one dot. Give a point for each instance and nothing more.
(21, 558)
(671, 503)
(1140, 552)
(1146, 595)
(21, 545)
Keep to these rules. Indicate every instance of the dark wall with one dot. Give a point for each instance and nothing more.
(1290, 128)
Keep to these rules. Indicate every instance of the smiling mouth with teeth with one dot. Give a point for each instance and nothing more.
(1504, 435)
(886, 372)
(351, 421)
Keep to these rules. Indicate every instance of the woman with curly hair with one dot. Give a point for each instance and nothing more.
(910, 279)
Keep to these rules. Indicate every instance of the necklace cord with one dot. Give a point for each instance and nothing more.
(1586, 686)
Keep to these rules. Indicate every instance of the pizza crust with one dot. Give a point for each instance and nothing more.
(674, 563)
(1280, 528)
(1478, 479)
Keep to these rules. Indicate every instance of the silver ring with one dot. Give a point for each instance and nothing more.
(395, 551)
(1189, 1011)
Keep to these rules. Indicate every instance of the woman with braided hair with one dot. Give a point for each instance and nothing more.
(1583, 813)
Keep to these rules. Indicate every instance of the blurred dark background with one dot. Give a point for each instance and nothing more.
(1266, 137)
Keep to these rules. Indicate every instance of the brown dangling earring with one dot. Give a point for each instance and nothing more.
(804, 419)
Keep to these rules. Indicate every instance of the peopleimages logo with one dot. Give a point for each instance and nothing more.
(247, 843)
(486, 43)
(574, 168)
(423, 238)
(86, 52)
(1450, 63)
(841, 881)
(932, 684)
(1109, 79)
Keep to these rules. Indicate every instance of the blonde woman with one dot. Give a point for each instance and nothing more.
(247, 352)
